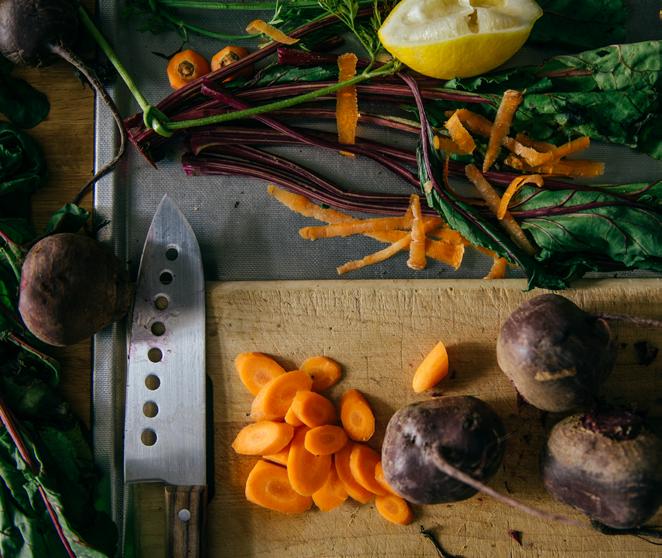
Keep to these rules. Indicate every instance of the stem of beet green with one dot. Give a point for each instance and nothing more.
(202, 31)
(387, 69)
(203, 5)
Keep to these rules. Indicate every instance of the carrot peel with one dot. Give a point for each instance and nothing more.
(459, 134)
(512, 189)
(347, 107)
(259, 26)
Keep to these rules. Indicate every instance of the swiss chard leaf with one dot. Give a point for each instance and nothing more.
(21, 103)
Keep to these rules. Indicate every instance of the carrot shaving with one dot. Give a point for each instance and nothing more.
(512, 189)
(574, 167)
(259, 26)
(476, 123)
(347, 107)
(537, 145)
(509, 103)
(459, 134)
(442, 143)
(417, 245)
(498, 269)
(532, 157)
(356, 227)
(493, 201)
(574, 146)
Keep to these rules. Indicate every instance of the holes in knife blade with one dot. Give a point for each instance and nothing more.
(150, 409)
(148, 437)
(161, 302)
(152, 382)
(155, 354)
(158, 328)
(165, 277)
(172, 253)
(184, 515)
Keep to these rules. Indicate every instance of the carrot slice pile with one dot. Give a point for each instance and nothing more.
(280, 458)
(498, 269)
(267, 485)
(263, 437)
(459, 134)
(394, 509)
(432, 369)
(291, 418)
(259, 26)
(362, 463)
(347, 106)
(307, 472)
(379, 477)
(356, 416)
(512, 189)
(313, 409)
(324, 371)
(417, 245)
(354, 489)
(505, 113)
(256, 369)
(325, 440)
(275, 397)
(332, 494)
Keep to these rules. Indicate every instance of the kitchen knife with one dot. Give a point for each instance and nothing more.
(164, 428)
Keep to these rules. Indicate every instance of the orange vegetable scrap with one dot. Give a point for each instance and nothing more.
(417, 245)
(432, 370)
(259, 26)
(498, 269)
(512, 189)
(229, 55)
(347, 105)
(459, 134)
(355, 227)
(505, 113)
(441, 143)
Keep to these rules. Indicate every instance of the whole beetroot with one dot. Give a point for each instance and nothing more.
(71, 287)
(606, 464)
(556, 355)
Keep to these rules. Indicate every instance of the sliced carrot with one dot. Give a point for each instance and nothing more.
(355, 227)
(347, 107)
(379, 477)
(353, 488)
(417, 245)
(275, 397)
(279, 457)
(325, 440)
(512, 189)
(493, 201)
(307, 472)
(362, 463)
(509, 103)
(324, 371)
(356, 416)
(256, 369)
(292, 418)
(186, 66)
(259, 26)
(267, 485)
(262, 437)
(459, 134)
(332, 494)
(229, 55)
(313, 409)
(441, 143)
(498, 269)
(432, 370)
(394, 509)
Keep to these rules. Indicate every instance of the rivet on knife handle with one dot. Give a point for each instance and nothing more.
(186, 519)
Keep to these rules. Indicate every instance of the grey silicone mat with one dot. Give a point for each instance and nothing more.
(244, 234)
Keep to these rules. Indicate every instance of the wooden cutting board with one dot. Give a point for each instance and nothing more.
(380, 331)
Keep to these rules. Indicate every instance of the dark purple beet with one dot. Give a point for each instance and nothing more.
(556, 355)
(465, 430)
(606, 464)
(31, 27)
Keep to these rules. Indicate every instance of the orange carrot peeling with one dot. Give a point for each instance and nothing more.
(355, 227)
(417, 245)
(259, 26)
(512, 189)
(347, 107)
(459, 134)
(498, 269)
(509, 103)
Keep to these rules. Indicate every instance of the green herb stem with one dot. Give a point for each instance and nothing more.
(202, 31)
(387, 69)
(252, 6)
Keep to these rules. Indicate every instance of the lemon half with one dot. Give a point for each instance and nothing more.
(457, 38)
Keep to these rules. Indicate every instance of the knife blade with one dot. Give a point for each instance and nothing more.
(165, 417)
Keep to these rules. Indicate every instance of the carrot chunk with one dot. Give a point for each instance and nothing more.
(356, 416)
(417, 245)
(394, 509)
(459, 134)
(275, 397)
(362, 463)
(353, 488)
(186, 66)
(259, 26)
(292, 418)
(509, 103)
(256, 369)
(432, 370)
(324, 371)
(313, 409)
(347, 107)
(379, 477)
(263, 437)
(307, 472)
(279, 457)
(332, 494)
(325, 440)
(267, 485)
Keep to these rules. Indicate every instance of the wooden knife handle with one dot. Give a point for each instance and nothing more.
(186, 514)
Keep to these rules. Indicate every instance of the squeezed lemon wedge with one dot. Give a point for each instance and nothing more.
(457, 38)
